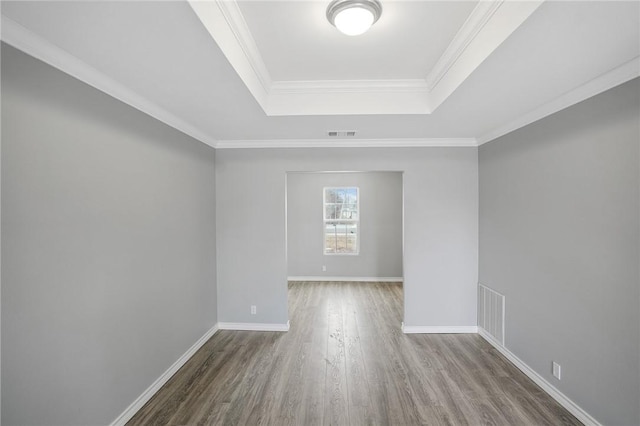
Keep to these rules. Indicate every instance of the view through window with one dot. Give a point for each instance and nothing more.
(341, 220)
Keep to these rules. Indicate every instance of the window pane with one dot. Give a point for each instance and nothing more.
(341, 237)
(350, 195)
(341, 220)
(331, 195)
(330, 211)
(349, 211)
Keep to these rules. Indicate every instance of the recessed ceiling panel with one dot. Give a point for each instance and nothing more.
(161, 59)
(297, 43)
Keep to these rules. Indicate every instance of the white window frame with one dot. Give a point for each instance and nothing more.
(326, 221)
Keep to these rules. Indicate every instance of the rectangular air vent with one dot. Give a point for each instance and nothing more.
(341, 133)
(491, 309)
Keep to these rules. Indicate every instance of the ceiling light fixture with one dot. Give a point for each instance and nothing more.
(353, 17)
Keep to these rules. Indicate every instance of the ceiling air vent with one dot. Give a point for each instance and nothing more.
(341, 133)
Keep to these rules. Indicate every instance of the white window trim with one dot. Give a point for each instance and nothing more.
(325, 221)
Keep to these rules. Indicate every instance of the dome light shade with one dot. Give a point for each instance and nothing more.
(353, 17)
(354, 21)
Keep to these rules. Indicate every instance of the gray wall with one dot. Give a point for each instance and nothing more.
(559, 236)
(440, 221)
(108, 248)
(380, 228)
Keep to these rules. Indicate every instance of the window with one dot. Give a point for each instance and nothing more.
(341, 220)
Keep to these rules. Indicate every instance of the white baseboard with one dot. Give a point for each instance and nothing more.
(249, 326)
(136, 405)
(363, 279)
(454, 329)
(561, 398)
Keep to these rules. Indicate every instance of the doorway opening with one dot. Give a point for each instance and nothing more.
(344, 247)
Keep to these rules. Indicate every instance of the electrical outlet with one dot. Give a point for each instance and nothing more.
(324, 268)
(253, 309)
(556, 370)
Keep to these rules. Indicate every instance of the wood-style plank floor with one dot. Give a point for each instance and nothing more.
(345, 362)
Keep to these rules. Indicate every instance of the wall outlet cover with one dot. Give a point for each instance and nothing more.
(556, 370)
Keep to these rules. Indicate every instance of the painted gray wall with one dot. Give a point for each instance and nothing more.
(108, 248)
(559, 237)
(380, 225)
(440, 220)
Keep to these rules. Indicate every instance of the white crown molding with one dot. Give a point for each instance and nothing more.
(240, 29)
(478, 18)
(488, 27)
(349, 86)
(609, 80)
(250, 326)
(224, 22)
(353, 103)
(339, 97)
(357, 101)
(21, 38)
(561, 398)
(346, 143)
(136, 405)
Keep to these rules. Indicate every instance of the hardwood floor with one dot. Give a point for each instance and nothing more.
(345, 361)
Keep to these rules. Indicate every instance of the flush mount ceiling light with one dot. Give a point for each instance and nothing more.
(353, 17)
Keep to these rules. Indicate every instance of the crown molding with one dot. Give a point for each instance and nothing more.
(343, 97)
(609, 80)
(488, 26)
(347, 143)
(224, 22)
(19, 37)
(476, 21)
(349, 86)
(237, 24)
(352, 102)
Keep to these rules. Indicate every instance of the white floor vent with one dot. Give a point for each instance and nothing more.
(491, 313)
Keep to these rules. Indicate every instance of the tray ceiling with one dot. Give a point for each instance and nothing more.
(244, 74)
(320, 52)
(436, 46)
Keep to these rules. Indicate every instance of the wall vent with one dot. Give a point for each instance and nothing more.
(341, 133)
(491, 308)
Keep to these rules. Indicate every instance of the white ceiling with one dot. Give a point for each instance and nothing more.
(405, 43)
(161, 58)
(315, 89)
